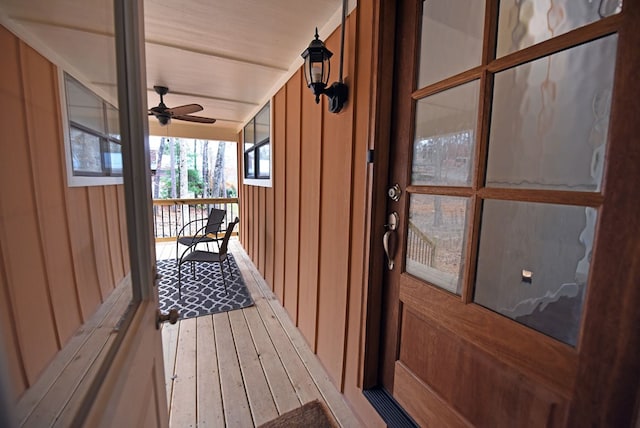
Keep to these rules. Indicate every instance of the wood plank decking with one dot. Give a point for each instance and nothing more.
(245, 367)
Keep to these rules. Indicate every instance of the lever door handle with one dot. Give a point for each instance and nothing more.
(385, 245)
(392, 225)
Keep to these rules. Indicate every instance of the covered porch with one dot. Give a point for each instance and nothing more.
(244, 367)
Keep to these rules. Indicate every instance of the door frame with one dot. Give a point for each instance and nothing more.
(609, 371)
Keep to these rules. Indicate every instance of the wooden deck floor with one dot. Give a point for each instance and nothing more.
(245, 367)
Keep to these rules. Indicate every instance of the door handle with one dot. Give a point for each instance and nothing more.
(385, 245)
(392, 225)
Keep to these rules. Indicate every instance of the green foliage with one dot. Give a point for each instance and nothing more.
(195, 182)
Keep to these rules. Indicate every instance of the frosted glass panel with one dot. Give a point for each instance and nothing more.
(523, 23)
(444, 142)
(451, 39)
(550, 120)
(436, 239)
(533, 264)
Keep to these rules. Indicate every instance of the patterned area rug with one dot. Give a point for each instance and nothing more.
(204, 295)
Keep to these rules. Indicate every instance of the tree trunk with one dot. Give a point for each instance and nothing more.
(218, 190)
(156, 178)
(183, 170)
(206, 192)
(172, 152)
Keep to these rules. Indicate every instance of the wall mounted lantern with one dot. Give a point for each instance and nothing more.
(317, 65)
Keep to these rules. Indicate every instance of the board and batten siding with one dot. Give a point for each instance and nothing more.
(63, 250)
(307, 234)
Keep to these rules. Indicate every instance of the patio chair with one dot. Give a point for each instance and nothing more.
(200, 256)
(206, 234)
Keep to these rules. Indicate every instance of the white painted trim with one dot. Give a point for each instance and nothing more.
(260, 182)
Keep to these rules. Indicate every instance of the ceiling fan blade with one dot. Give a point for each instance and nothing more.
(185, 109)
(198, 119)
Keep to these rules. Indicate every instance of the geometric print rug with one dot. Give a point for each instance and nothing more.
(204, 295)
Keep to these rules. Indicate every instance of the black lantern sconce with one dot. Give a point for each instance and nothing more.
(317, 66)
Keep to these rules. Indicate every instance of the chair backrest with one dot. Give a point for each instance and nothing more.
(214, 222)
(227, 235)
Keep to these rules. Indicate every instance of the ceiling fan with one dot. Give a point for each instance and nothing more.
(165, 114)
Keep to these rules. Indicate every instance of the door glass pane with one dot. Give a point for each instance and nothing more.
(533, 264)
(451, 39)
(444, 141)
(436, 239)
(523, 23)
(550, 120)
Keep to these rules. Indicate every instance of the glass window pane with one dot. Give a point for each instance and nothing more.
(451, 39)
(113, 122)
(262, 124)
(444, 141)
(436, 239)
(533, 264)
(113, 159)
(83, 106)
(249, 135)
(85, 152)
(249, 164)
(264, 161)
(550, 120)
(523, 23)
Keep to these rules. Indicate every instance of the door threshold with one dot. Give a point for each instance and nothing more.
(388, 408)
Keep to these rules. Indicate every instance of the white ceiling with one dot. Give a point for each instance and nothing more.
(229, 56)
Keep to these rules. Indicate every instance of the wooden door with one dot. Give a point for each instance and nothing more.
(514, 132)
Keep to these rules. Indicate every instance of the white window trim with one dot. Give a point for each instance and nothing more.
(260, 182)
(77, 180)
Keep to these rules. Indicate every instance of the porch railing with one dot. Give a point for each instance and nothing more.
(170, 215)
(419, 247)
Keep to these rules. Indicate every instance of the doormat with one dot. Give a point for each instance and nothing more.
(205, 295)
(312, 415)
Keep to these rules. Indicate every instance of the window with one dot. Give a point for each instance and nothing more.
(92, 138)
(257, 148)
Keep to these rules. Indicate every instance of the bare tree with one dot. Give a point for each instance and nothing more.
(156, 178)
(218, 188)
(205, 169)
(183, 169)
(172, 153)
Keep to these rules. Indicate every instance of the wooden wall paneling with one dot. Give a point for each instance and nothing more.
(262, 228)
(335, 215)
(99, 232)
(83, 251)
(40, 80)
(113, 232)
(310, 191)
(269, 237)
(9, 344)
(20, 246)
(253, 224)
(279, 148)
(292, 195)
(124, 240)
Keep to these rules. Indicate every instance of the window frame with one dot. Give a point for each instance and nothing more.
(256, 179)
(107, 177)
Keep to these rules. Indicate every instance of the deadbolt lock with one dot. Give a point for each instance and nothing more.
(394, 192)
